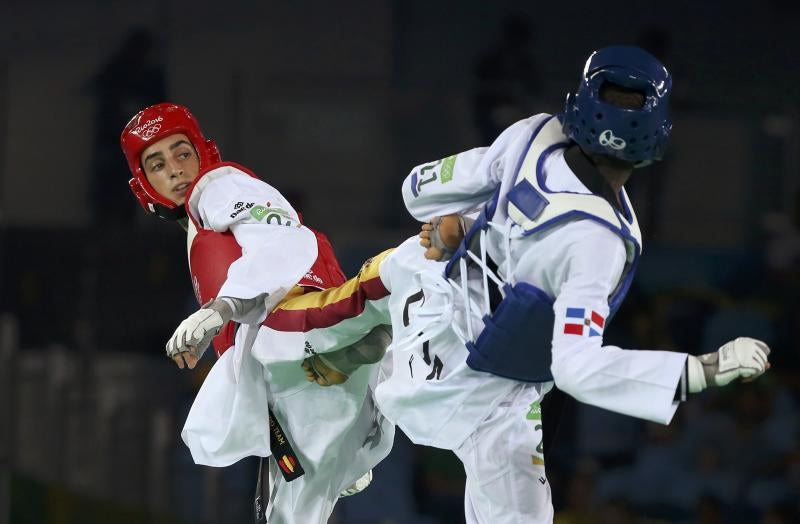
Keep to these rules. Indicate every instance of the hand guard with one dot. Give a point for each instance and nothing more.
(740, 358)
(195, 333)
(744, 358)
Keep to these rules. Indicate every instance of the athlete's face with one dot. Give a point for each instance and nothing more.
(171, 164)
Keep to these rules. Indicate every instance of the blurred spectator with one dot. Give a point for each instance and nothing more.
(785, 7)
(660, 462)
(708, 510)
(581, 500)
(507, 77)
(732, 321)
(647, 192)
(685, 319)
(659, 41)
(783, 241)
(779, 515)
(609, 438)
(132, 78)
(389, 499)
(439, 485)
(711, 477)
(779, 281)
(620, 511)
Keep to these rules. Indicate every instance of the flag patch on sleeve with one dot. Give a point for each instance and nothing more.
(583, 322)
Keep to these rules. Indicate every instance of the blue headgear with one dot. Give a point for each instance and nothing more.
(634, 135)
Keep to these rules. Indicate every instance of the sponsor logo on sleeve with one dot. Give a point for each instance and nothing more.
(584, 322)
(258, 212)
(271, 215)
(314, 278)
(448, 165)
(535, 411)
(239, 207)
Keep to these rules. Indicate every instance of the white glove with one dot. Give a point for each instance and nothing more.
(741, 358)
(195, 333)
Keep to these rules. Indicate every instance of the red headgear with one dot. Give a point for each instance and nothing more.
(151, 125)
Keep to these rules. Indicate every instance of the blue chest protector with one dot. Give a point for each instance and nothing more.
(518, 327)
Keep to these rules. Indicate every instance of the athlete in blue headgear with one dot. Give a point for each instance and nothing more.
(557, 244)
(620, 108)
(526, 296)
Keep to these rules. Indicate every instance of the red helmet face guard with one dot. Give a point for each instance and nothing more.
(149, 126)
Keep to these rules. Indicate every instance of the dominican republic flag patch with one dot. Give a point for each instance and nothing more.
(580, 319)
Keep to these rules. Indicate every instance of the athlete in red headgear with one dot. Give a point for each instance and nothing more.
(147, 128)
(167, 152)
(248, 251)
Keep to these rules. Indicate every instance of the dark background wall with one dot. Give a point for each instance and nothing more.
(334, 103)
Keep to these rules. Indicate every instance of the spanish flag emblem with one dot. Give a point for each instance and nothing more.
(287, 464)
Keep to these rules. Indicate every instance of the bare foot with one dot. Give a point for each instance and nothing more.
(450, 231)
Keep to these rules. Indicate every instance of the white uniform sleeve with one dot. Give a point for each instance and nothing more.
(276, 249)
(635, 383)
(462, 183)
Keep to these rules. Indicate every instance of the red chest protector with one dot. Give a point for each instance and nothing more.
(211, 254)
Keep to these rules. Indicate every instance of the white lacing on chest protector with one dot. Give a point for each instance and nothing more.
(440, 307)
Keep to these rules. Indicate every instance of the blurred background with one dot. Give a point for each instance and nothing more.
(334, 103)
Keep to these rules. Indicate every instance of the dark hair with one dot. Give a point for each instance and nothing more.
(623, 97)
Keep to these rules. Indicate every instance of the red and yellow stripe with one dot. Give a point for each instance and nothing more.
(286, 463)
(328, 307)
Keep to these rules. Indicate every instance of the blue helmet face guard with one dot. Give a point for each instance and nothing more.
(638, 136)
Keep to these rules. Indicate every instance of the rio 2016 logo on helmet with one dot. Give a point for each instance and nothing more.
(149, 126)
(638, 135)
